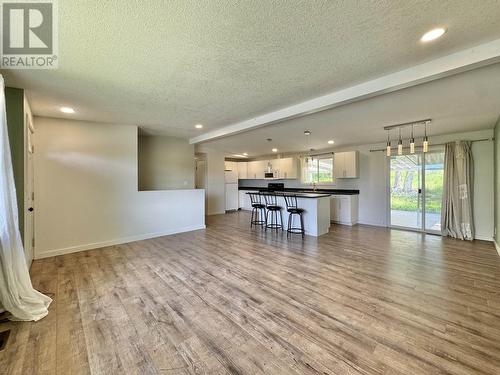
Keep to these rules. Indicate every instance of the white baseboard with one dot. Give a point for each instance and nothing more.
(483, 238)
(119, 241)
(372, 224)
(497, 246)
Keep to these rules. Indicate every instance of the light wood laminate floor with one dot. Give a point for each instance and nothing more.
(235, 300)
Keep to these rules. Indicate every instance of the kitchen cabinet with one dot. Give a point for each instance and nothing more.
(231, 166)
(288, 168)
(242, 170)
(344, 209)
(256, 169)
(345, 164)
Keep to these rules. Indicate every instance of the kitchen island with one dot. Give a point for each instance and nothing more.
(316, 211)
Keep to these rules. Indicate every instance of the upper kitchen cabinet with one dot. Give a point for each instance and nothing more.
(242, 170)
(288, 168)
(345, 164)
(231, 166)
(256, 169)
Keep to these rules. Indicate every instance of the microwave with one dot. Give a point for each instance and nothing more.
(270, 175)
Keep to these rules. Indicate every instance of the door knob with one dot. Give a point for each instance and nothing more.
(30, 209)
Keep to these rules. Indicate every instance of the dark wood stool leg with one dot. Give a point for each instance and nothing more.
(302, 225)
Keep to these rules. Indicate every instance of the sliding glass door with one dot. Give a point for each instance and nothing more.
(433, 180)
(415, 191)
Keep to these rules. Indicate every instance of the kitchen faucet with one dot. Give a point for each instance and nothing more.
(314, 186)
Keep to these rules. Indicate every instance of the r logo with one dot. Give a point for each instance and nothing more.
(27, 29)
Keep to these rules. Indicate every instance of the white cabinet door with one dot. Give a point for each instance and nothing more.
(334, 208)
(288, 168)
(351, 164)
(338, 165)
(242, 170)
(231, 166)
(344, 209)
(345, 164)
(261, 167)
(252, 170)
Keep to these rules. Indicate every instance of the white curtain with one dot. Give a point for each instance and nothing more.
(456, 218)
(17, 295)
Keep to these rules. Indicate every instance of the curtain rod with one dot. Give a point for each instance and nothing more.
(324, 153)
(437, 144)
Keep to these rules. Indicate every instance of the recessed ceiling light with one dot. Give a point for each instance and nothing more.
(331, 142)
(275, 150)
(245, 154)
(67, 110)
(433, 34)
(198, 126)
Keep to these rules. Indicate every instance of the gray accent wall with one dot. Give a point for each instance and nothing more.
(14, 104)
(165, 163)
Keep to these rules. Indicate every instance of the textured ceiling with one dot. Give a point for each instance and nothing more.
(170, 64)
(464, 102)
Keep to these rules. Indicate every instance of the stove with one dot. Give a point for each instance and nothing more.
(275, 186)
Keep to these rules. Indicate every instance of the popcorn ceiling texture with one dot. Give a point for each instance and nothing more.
(170, 64)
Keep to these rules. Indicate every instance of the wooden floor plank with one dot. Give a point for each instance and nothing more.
(236, 300)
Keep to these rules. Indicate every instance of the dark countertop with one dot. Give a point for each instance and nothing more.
(299, 194)
(306, 190)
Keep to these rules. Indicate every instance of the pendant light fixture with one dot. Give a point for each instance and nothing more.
(425, 144)
(400, 144)
(412, 142)
(388, 149)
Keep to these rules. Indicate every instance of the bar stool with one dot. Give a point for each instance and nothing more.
(273, 208)
(258, 210)
(293, 209)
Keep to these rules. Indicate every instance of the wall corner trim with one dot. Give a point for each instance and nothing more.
(118, 241)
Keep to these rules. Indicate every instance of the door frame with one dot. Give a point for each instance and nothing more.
(203, 158)
(29, 184)
(422, 193)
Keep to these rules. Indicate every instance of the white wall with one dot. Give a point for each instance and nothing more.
(372, 184)
(165, 163)
(216, 189)
(86, 190)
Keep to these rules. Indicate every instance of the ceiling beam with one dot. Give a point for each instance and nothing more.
(481, 55)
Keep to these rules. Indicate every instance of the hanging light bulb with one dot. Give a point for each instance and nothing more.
(400, 144)
(388, 149)
(425, 144)
(412, 142)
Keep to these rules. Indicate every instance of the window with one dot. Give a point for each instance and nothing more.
(318, 170)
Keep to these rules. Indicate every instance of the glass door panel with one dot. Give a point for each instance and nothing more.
(434, 173)
(406, 191)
